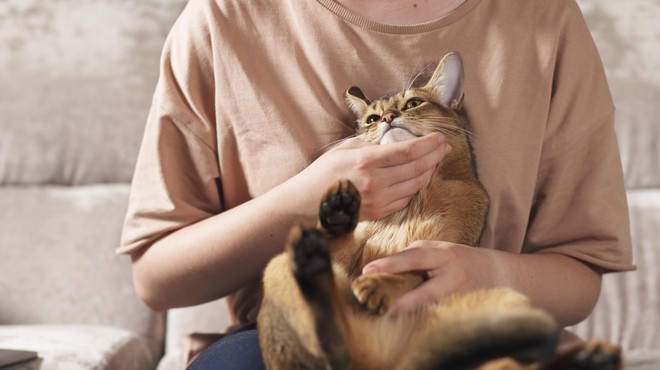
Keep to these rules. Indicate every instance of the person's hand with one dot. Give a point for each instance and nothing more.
(450, 268)
(387, 176)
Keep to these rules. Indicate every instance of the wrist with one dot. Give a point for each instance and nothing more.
(297, 201)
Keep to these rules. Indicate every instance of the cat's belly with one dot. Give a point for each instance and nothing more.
(385, 237)
(396, 135)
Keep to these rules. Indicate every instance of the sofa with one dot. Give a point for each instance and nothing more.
(76, 79)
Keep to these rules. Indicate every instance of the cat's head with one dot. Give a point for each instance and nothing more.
(413, 112)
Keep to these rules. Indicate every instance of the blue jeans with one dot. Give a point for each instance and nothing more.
(236, 351)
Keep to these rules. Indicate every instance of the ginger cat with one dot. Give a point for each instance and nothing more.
(319, 312)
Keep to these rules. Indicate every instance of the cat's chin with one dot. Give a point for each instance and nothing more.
(396, 135)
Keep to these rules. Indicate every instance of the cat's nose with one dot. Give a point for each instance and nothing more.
(388, 117)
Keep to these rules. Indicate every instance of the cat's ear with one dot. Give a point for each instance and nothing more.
(447, 81)
(356, 101)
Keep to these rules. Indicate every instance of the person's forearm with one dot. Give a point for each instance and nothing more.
(565, 287)
(216, 256)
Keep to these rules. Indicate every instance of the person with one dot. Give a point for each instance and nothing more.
(251, 93)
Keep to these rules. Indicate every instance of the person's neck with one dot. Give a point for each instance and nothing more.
(403, 12)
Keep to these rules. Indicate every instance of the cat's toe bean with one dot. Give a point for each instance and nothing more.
(339, 210)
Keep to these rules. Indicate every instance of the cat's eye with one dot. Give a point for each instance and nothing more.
(373, 119)
(413, 103)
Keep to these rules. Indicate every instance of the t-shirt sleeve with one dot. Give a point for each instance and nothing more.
(580, 207)
(176, 178)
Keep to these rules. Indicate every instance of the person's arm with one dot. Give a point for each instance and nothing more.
(217, 255)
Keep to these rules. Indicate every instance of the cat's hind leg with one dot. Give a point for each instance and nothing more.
(312, 268)
(300, 322)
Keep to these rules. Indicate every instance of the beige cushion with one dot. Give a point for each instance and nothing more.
(627, 312)
(624, 32)
(79, 347)
(77, 81)
(58, 262)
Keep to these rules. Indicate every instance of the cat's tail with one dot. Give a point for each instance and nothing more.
(525, 334)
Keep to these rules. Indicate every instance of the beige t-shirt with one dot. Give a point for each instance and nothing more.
(250, 93)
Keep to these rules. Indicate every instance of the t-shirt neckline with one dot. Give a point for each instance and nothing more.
(363, 22)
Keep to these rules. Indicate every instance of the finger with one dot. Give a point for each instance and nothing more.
(412, 169)
(399, 153)
(420, 170)
(430, 292)
(380, 211)
(395, 197)
(417, 257)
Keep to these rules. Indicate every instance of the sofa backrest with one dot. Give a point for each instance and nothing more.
(627, 37)
(76, 82)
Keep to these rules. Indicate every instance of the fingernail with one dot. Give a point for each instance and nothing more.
(440, 138)
(368, 269)
(447, 149)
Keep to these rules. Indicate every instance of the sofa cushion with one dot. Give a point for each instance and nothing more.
(77, 81)
(80, 347)
(58, 261)
(624, 32)
(627, 312)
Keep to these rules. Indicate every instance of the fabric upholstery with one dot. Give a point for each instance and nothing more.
(79, 347)
(628, 311)
(58, 262)
(627, 36)
(58, 258)
(77, 80)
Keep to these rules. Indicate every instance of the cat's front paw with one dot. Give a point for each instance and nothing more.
(376, 292)
(339, 209)
(370, 292)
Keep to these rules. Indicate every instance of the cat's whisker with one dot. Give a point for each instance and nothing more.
(456, 131)
(333, 144)
(459, 129)
(412, 79)
(446, 132)
(471, 136)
